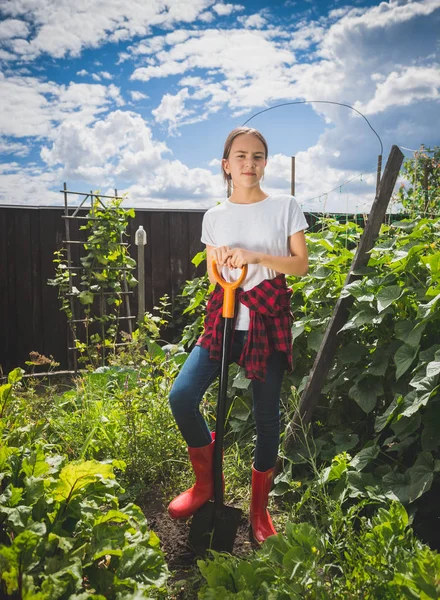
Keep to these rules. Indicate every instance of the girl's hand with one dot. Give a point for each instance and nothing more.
(234, 258)
(221, 255)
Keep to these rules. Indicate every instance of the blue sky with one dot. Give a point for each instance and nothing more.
(140, 95)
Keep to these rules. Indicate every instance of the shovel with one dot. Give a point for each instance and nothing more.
(215, 525)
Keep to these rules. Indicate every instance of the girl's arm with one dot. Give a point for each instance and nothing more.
(296, 264)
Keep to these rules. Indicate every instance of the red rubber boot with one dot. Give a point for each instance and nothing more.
(188, 502)
(261, 522)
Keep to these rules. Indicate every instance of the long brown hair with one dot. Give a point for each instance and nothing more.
(231, 137)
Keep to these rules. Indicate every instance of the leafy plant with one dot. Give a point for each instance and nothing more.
(62, 529)
(420, 196)
(106, 268)
(378, 558)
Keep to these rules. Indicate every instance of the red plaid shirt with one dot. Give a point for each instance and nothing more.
(269, 328)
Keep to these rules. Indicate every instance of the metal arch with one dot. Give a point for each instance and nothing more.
(319, 102)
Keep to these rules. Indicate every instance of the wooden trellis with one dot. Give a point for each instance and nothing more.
(73, 215)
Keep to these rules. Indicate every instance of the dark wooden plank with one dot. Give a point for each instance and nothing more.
(54, 320)
(179, 251)
(4, 292)
(160, 255)
(23, 283)
(195, 245)
(326, 353)
(37, 284)
(11, 317)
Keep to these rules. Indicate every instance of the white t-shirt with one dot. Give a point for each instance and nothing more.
(263, 226)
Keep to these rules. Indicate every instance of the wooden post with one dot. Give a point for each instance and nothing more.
(326, 353)
(425, 189)
(292, 177)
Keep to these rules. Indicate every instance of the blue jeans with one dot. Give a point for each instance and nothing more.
(196, 375)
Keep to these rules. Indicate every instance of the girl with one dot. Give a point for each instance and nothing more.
(266, 233)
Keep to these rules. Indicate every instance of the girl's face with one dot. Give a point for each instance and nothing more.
(246, 161)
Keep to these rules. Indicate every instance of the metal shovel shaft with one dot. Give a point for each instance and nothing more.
(221, 415)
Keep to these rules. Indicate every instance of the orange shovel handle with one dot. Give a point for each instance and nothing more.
(229, 289)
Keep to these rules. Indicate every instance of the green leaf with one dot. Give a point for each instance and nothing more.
(415, 404)
(433, 369)
(379, 364)
(351, 353)
(409, 332)
(35, 465)
(426, 310)
(365, 456)
(74, 477)
(421, 475)
(240, 381)
(199, 258)
(86, 297)
(365, 393)
(155, 349)
(145, 565)
(15, 376)
(297, 329)
(383, 420)
(18, 559)
(397, 486)
(404, 358)
(387, 296)
(314, 339)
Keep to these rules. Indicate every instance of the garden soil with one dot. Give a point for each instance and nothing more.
(173, 535)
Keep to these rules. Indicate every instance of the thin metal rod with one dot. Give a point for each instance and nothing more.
(319, 102)
(90, 193)
(80, 218)
(94, 321)
(292, 177)
(221, 415)
(116, 345)
(85, 242)
(100, 268)
(122, 293)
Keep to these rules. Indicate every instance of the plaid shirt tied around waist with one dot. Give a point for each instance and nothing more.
(269, 327)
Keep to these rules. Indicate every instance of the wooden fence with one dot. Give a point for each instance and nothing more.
(30, 316)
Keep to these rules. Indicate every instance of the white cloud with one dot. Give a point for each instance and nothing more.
(404, 87)
(16, 148)
(226, 9)
(305, 35)
(25, 186)
(32, 107)
(236, 54)
(119, 146)
(66, 28)
(135, 96)
(82, 73)
(172, 109)
(13, 28)
(255, 21)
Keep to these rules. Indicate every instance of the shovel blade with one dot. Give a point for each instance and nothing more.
(214, 528)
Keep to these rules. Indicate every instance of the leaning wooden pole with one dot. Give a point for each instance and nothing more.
(326, 353)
